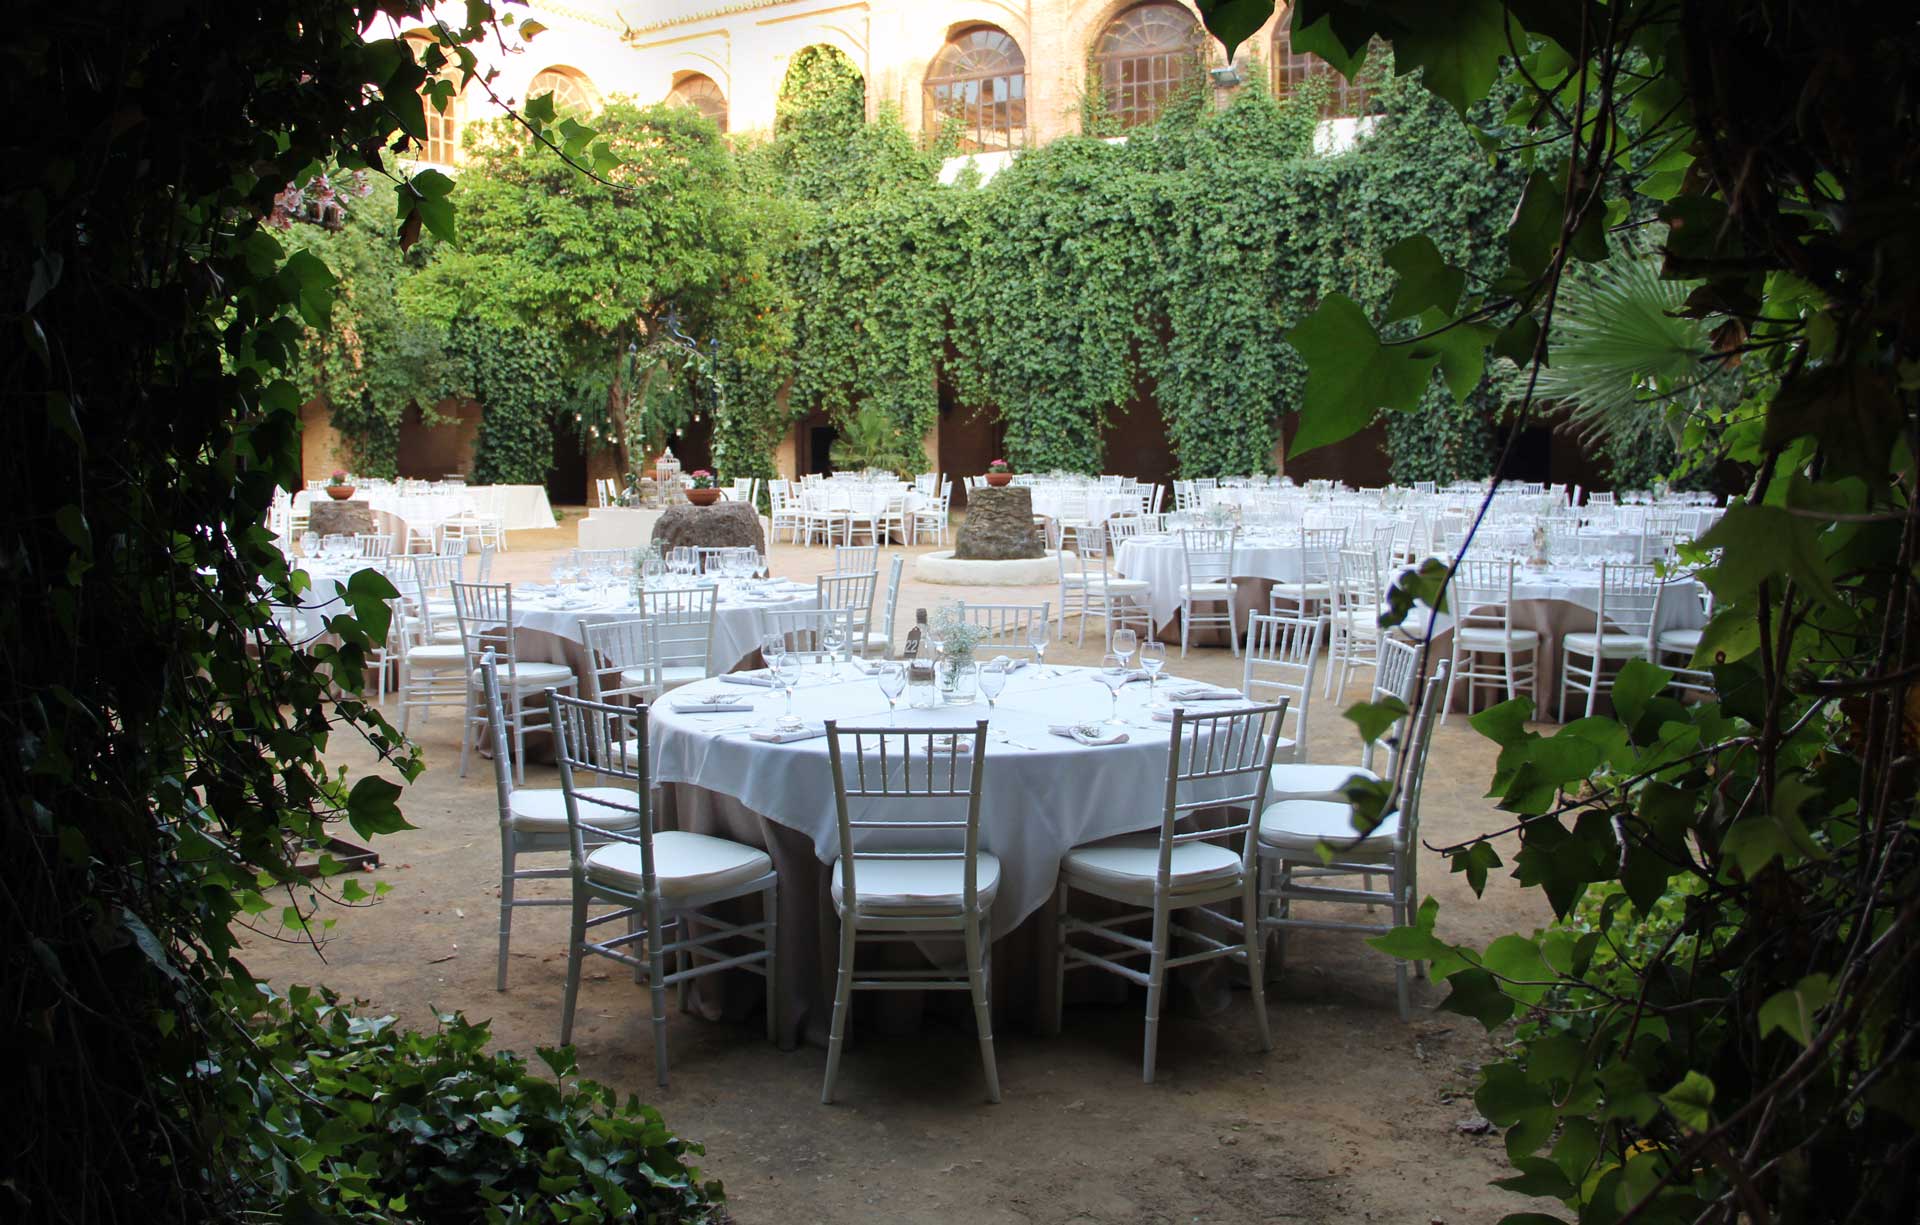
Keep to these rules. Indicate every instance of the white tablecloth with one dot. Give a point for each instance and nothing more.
(1043, 794)
(520, 507)
(736, 627)
(1160, 562)
(618, 527)
(1097, 505)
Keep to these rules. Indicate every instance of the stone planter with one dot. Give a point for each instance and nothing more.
(997, 479)
(703, 497)
(339, 493)
(725, 525)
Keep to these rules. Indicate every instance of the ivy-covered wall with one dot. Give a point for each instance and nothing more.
(838, 274)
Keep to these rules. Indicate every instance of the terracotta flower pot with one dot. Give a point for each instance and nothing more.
(703, 497)
(997, 479)
(339, 493)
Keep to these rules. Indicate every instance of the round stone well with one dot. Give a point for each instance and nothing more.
(997, 545)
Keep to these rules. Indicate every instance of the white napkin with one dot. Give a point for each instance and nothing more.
(1072, 732)
(717, 703)
(749, 678)
(1205, 693)
(1010, 665)
(776, 736)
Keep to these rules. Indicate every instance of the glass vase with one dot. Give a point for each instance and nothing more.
(959, 681)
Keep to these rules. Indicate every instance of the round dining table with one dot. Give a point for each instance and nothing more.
(548, 619)
(1042, 794)
(1258, 562)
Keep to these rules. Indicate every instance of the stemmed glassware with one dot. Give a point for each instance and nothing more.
(1112, 674)
(833, 639)
(1038, 634)
(893, 682)
(993, 679)
(787, 671)
(1124, 642)
(309, 542)
(1153, 657)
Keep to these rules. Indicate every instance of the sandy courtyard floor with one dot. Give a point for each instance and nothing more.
(1352, 1117)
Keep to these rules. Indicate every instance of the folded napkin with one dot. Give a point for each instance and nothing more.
(775, 736)
(1010, 665)
(1073, 732)
(749, 678)
(715, 704)
(1205, 693)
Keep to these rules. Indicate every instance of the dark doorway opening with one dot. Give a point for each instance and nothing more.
(567, 477)
(820, 440)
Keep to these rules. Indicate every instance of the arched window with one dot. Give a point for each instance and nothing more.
(442, 146)
(1293, 69)
(979, 82)
(1143, 57)
(702, 95)
(572, 93)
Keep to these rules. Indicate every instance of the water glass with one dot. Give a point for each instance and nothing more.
(993, 679)
(893, 682)
(1038, 633)
(1124, 642)
(787, 672)
(1112, 674)
(1153, 657)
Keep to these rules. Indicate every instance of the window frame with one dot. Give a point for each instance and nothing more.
(1168, 66)
(974, 111)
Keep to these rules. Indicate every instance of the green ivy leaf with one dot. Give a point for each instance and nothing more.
(1427, 281)
(1350, 374)
(1374, 718)
(1793, 1011)
(1476, 861)
(371, 807)
(1475, 993)
(1691, 1101)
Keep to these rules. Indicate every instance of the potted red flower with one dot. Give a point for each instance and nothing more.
(702, 490)
(337, 487)
(999, 472)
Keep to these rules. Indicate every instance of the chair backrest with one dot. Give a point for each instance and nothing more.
(374, 544)
(1005, 626)
(1319, 547)
(891, 608)
(805, 631)
(497, 735)
(1357, 586)
(1396, 677)
(1283, 653)
(1207, 554)
(1432, 706)
(1206, 753)
(610, 741)
(485, 613)
(856, 559)
(1629, 600)
(930, 771)
(684, 617)
(623, 659)
(853, 592)
(1480, 594)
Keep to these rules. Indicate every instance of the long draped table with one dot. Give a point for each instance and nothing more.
(1042, 795)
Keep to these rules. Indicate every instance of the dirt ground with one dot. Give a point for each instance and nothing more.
(1354, 1116)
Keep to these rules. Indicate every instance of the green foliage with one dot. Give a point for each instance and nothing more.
(165, 775)
(1720, 1023)
(870, 439)
(389, 1124)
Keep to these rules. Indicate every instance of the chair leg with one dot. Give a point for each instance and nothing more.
(842, 1002)
(1186, 620)
(982, 1013)
(1256, 975)
(576, 939)
(771, 901)
(1593, 682)
(1059, 957)
(466, 733)
(656, 975)
(1156, 981)
(507, 862)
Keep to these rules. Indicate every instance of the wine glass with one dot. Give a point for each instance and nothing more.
(309, 541)
(893, 682)
(1112, 674)
(787, 672)
(833, 640)
(563, 574)
(1038, 633)
(993, 679)
(1124, 642)
(1153, 657)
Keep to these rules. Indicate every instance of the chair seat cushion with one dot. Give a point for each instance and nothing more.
(529, 674)
(1128, 866)
(684, 864)
(634, 679)
(437, 654)
(543, 810)
(1311, 781)
(877, 641)
(1121, 586)
(1302, 825)
(1680, 640)
(1492, 639)
(908, 887)
(1207, 591)
(1310, 591)
(1610, 646)
(674, 675)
